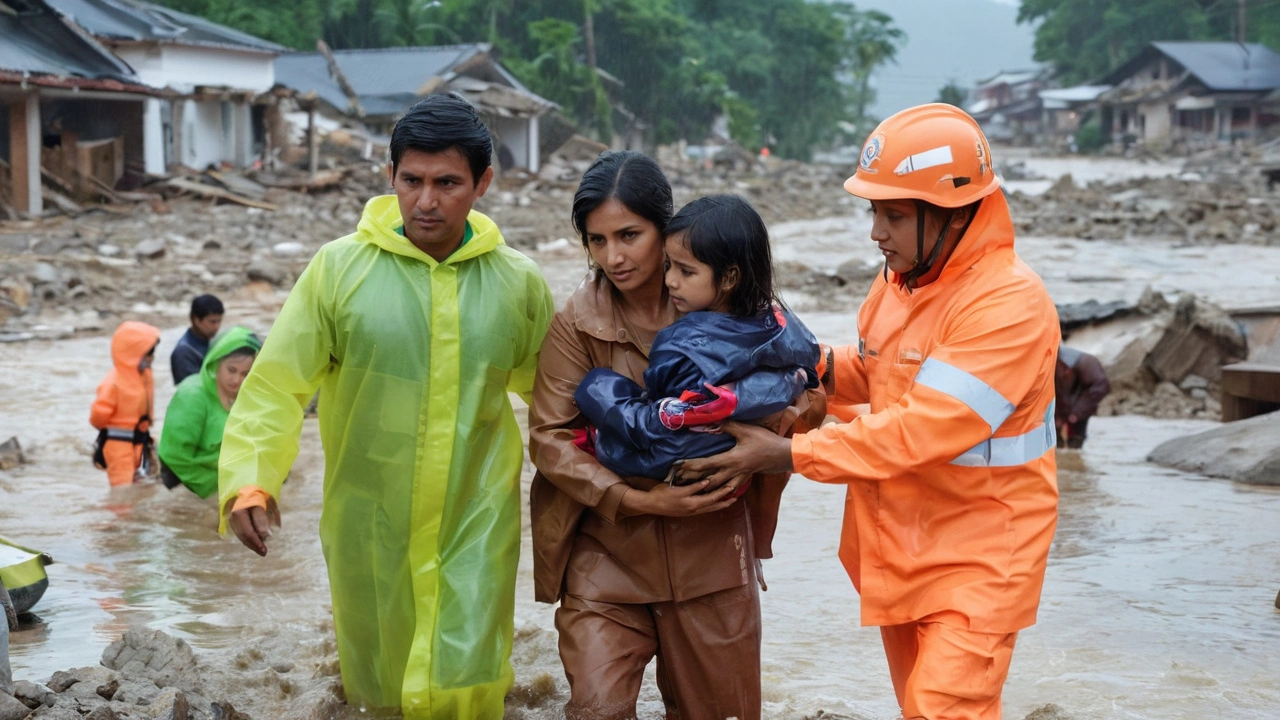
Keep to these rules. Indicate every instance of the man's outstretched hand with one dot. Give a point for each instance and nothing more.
(253, 526)
(758, 451)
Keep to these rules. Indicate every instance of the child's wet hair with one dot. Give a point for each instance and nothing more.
(725, 232)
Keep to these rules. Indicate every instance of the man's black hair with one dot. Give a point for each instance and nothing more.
(440, 122)
(206, 305)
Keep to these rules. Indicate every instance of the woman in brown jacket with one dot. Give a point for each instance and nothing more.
(640, 568)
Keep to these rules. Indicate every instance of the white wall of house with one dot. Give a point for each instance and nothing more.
(520, 136)
(210, 134)
(1157, 121)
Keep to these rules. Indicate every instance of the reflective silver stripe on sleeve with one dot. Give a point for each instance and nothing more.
(1013, 451)
(979, 396)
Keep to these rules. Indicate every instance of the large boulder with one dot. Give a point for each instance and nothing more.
(1244, 451)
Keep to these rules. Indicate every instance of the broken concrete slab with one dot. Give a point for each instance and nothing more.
(1244, 451)
(1200, 338)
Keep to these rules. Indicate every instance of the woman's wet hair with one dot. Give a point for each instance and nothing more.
(724, 232)
(440, 122)
(631, 177)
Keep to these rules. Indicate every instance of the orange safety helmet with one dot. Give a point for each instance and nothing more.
(935, 153)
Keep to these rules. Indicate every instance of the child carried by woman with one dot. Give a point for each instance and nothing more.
(737, 354)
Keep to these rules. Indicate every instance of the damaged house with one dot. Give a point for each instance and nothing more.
(1188, 92)
(217, 80)
(373, 88)
(71, 113)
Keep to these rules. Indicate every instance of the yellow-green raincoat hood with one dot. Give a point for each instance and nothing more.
(421, 519)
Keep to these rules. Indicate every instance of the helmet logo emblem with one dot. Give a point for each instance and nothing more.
(871, 153)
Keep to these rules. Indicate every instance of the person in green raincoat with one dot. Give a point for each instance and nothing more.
(414, 328)
(194, 420)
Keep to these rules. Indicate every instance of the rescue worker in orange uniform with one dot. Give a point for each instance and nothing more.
(126, 396)
(952, 478)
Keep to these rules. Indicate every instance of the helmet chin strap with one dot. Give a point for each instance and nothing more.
(920, 269)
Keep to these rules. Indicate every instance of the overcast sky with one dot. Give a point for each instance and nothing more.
(962, 40)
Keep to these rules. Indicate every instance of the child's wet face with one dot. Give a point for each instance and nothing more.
(690, 282)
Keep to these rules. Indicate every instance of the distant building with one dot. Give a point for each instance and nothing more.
(1063, 109)
(66, 103)
(214, 76)
(383, 83)
(1008, 107)
(1188, 92)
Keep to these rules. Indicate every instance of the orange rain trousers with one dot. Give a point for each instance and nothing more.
(123, 460)
(944, 672)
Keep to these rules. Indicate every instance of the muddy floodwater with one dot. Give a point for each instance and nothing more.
(1158, 601)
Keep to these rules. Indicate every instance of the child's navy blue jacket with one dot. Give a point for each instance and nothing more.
(767, 359)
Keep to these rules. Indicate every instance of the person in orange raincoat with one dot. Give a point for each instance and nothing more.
(952, 478)
(122, 410)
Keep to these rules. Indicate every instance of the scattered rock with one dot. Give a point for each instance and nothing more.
(61, 680)
(11, 454)
(170, 704)
(12, 709)
(136, 691)
(56, 713)
(223, 710)
(33, 695)
(43, 274)
(150, 249)
(107, 250)
(1244, 451)
(108, 691)
(288, 249)
(102, 712)
(267, 271)
(282, 666)
(1048, 712)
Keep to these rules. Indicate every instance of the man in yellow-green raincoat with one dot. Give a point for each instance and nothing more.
(414, 328)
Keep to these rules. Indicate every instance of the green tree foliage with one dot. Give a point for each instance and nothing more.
(952, 94)
(1085, 39)
(786, 73)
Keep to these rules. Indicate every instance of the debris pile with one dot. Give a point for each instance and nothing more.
(1237, 210)
(1163, 360)
(145, 673)
(1230, 202)
(221, 231)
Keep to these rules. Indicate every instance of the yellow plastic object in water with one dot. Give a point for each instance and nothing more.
(22, 572)
(421, 519)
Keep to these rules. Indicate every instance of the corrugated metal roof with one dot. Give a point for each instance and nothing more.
(134, 20)
(40, 42)
(1078, 93)
(1220, 66)
(386, 80)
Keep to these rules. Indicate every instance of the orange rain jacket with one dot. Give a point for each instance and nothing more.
(125, 395)
(952, 479)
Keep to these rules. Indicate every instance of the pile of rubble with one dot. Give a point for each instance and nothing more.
(218, 232)
(145, 673)
(1163, 359)
(1235, 208)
